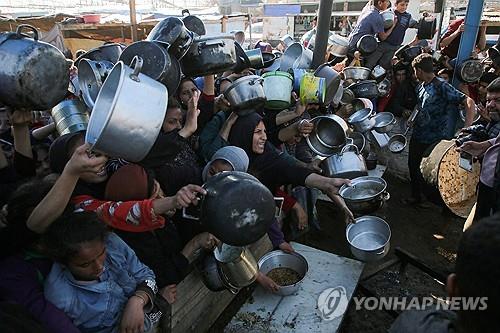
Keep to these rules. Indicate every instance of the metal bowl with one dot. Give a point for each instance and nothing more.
(397, 143)
(369, 238)
(365, 194)
(384, 122)
(356, 73)
(278, 258)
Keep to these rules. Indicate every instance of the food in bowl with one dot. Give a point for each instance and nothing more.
(284, 276)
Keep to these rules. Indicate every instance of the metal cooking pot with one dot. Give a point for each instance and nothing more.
(378, 73)
(388, 17)
(158, 64)
(34, 75)
(107, 52)
(278, 89)
(362, 120)
(397, 143)
(210, 55)
(194, 24)
(296, 56)
(384, 122)
(356, 73)
(361, 103)
(471, 70)
(287, 40)
(332, 81)
(408, 53)
(91, 76)
(337, 45)
(242, 60)
(294, 261)
(384, 87)
(246, 94)
(369, 238)
(347, 96)
(346, 164)
(211, 276)
(367, 44)
(237, 265)
(172, 31)
(426, 28)
(359, 140)
(365, 194)
(249, 211)
(366, 89)
(70, 116)
(255, 58)
(268, 58)
(115, 127)
(328, 136)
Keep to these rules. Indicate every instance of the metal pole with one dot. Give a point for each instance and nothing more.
(438, 38)
(133, 21)
(468, 39)
(322, 32)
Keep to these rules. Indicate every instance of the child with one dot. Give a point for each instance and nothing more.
(97, 279)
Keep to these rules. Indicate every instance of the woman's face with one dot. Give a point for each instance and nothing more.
(88, 263)
(218, 166)
(186, 91)
(259, 138)
(173, 120)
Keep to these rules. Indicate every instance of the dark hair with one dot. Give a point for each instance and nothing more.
(494, 86)
(65, 236)
(424, 62)
(173, 103)
(478, 272)
(487, 77)
(399, 1)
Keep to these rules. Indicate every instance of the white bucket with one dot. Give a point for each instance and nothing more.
(278, 89)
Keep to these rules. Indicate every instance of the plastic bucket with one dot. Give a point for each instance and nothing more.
(278, 89)
(312, 89)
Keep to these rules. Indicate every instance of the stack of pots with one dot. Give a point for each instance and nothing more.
(363, 81)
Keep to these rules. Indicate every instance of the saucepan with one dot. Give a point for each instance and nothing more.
(365, 194)
(246, 94)
(384, 122)
(369, 238)
(328, 136)
(91, 76)
(172, 31)
(356, 73)
(397, 143)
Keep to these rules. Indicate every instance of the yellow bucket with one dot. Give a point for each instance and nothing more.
(312, 89)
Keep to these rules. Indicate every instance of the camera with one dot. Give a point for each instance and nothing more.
(475, 133)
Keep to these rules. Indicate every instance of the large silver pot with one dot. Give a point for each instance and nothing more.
(237, 265)
(107, 52)
(116, 128)
(70, 116)
(337, 45)
(294, 261)
(296, 56)
(369, 238)
(362, 120)
(332, 81)
(91, 76)
(356, 73)
(209, 55)
(365, 194)
(361, 103)
(34, 75)
(328, 136)
(346, 164)
(384, 122)
(246, 94)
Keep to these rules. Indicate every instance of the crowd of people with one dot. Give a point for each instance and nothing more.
(97, 244)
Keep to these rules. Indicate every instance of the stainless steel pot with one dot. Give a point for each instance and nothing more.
(91, 76)
(356, 73)
(397, 143)
(365, 194)
(361, 103)
(246, 94)
(337, 45)
(369, 238)
(359, 140)
(362, 120)
(471, 70)
(384, 122)
(34, 75)
(70, 116)
(332, 81)
(365, 89)
(328, 136)
(209, 55)
(194, 24)
(294, 261)
(296, 56)
(211, 276)
(287, 40)
(388, 17)
(346, 164)
(172, 31)
(237, 265)
(115, 127)
(367, 44)
(378, 73)
(255, 58)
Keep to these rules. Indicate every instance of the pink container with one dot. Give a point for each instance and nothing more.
(91, 18)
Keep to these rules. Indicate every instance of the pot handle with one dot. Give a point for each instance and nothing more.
(225, 281)
(381, 252)
(386, 196)
(137, 68)
(216, 42)
(30, 27)
(259, 80)
(343, 150)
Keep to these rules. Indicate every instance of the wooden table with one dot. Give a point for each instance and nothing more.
(266, 312)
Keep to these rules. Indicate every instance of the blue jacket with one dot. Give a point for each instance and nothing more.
(97, 306)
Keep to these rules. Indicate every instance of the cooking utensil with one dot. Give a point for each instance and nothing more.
(107, 52)
(172, 31)
(268, 58)
(194, 24)
(408, 53)
(367, 44)
(365, 89)
(332, 81)
(246, 94)
(359, 140)
(337, 45)
(347, 96)
(388, 17)
(297, 74)
(255, 58)
(365, 194)
(361, 103)
(328, 136)
(237, 265)
(397, 143)
(471, 70)
(362, 120)
(384, 122)
(312, 89)
(346, 164)
(426, 27)
(296, 56)
(91, 76)
(287, 40)
(70, 116)
(115, 127)
(211, 276)
(384, 87)
(294, 261)
(369, 238)
(356, 73)
(278, 89)
(210, 55)
(34, 75)
(378, 73)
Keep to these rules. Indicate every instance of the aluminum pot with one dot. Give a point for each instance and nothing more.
(365, 89)
(365, 194)
(337, 45)
(268, 58)
(408, 53)
(426, 28)
(384, 122)
(115, 120)
(91, 76)
(287, 40)
(369, 238)
(294, 261)
(471, 70)
(356, 73)
(388, 17)
(347, 96)
(362, 120)
(378, 73)
(255, 58)
(359, 140)
(34, 75)
(237, 265)
(361, 103)
(107, 52)
(367, 44)
(211, 276)
(296, 56)
(332, 78)
(172, 31)
(246, 94)
(278, 89)
(210, 55)
(328, 136)
(70, 116)
(158, 64)
(346, 164)
(194, 24)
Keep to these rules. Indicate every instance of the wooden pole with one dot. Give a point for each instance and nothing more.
(133, 21)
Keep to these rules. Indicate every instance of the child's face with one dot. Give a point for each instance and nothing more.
(218, 166)
(402, 6)
(88, 263)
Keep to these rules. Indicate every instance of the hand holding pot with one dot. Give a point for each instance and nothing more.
(221, 103)
(305, 127)
(82, 162)
(286, 247)
(267, 283)
(188, 195)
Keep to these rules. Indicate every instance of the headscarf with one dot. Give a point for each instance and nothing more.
(232, 155)
(130, 182)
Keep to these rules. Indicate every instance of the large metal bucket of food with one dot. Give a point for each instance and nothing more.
(128, 113)
(70, 116)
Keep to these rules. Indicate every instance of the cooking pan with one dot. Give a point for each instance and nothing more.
(107, 52)
(367, 44)
(172, 31)
(365, 89)
(194, 24)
